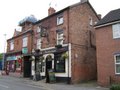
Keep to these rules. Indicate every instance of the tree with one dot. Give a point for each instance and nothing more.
(1, 56)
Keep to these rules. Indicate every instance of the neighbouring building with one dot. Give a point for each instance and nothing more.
(108, 48)
(65, 42)
(19, 49)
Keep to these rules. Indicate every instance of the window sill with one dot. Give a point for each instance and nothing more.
(60, 24)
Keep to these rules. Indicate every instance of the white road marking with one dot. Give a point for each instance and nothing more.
(34, 86)
(4, 86)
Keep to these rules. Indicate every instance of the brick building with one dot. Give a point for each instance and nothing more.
(65, 42)
(19, 49)
(108, 48)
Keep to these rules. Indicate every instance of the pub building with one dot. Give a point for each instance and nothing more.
(66, 44)
(56, 59)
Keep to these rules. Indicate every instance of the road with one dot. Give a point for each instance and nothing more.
(11, 83)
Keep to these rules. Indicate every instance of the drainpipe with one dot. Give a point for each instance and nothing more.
(68, 79)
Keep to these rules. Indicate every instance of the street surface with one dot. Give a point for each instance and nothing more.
(11, 83)
(15, 83)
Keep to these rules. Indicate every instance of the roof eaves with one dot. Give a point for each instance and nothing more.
(106, 24)
(22, 33)
(51, 15)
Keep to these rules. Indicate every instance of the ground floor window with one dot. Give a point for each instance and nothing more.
(117, 64)
(59, 63)
(13, 66)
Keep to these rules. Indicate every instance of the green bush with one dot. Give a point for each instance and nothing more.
(115, 87)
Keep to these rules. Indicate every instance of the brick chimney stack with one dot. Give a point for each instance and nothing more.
(51, 11)
(100, 16)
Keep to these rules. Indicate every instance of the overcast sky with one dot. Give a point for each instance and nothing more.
(12, 11)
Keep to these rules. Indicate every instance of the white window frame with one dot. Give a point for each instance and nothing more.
(60, 38)
(38, 45)
(116, 31)
(60, 20)
(116, 64)
(12, 45)
(25, 41)
(38, 29)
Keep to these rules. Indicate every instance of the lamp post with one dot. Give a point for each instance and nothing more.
(3, 63)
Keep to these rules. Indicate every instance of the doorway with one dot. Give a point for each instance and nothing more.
(48, 67)
(27, 67)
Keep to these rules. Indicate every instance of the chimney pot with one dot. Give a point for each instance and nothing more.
(51, 10)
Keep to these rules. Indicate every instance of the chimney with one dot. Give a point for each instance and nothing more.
(83, 1)
(100, 16)
(51, 11)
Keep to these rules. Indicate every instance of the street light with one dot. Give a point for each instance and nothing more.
(3, 63)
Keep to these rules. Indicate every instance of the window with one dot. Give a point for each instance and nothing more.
(59, 20)
(25, 41)
(12, 45)
(117, 64)
(39, 43)
(38, 29)
(59, 63)
(60, 38)
(116, 31)
(91, 21)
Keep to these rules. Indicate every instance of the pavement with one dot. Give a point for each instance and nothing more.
(63, 86)
(92, 85)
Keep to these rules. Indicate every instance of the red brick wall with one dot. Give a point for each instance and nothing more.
(83, 54)
(76, 20)
(106, 48)
(18, 43)
(51, 24)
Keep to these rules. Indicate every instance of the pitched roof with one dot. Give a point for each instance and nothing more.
(112, 16)
(68, 7)
(16, 33)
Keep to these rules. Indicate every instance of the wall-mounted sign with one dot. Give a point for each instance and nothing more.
(11, 58)
(25, 50)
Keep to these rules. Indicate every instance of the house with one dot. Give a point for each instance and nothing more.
(19, 49)
(108, 48)
(64, 41)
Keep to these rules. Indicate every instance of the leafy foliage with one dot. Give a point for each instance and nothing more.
(1, 56)
(115, 87)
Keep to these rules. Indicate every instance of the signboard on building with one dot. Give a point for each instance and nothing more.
(25, 50)
(11, 58)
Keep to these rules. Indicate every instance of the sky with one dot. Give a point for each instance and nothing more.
(12, 11)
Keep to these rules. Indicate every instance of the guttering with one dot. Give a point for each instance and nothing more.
(106, 24)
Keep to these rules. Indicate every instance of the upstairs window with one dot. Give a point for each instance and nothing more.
(38, 29)
(60, 37)
(116, 31)
(25, 41)
(59, 20)
(12, 45)
(117, 64)
(38, 43)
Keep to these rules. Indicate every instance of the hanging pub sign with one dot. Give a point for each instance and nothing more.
(43, 32)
